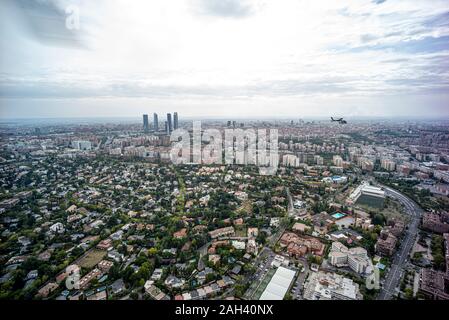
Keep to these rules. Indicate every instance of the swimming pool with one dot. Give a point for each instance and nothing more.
(338, 215)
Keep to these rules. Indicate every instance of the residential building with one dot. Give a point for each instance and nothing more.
(82, 145)
(330, 286)
(355, 258)
(386, 244)
(436, 222)
(299, 245)
(221, 232)
(434, 284)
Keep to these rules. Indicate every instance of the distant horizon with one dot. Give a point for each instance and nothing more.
(138, 119)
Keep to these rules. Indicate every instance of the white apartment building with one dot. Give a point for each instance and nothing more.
(331, 286)
(388, 164)
(355, 258)
(338, 161)
(82, 145)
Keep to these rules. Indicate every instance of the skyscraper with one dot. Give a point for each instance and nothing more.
(155, 122)
(169, 123)
(175, 120)
(146, 125)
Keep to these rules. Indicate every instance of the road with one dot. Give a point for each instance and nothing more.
(299, 283)
(202, 251)
(394, 274)
(275, 237)
(266, 256)
(262, 263)
(290, 202)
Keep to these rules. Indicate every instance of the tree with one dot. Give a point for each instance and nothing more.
(114, 272)
(152, 252)
(408, 293)
(77, 251)
(210, 277)
(379, 219)
(288, 296)
(240, 290)
(439, 261)
(94, 282)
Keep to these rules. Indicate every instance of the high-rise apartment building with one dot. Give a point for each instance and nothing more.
(175, 121)
(155, 122)
(169, 123)
(146, 125)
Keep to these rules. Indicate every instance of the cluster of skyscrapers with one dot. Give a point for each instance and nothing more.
(169, 124)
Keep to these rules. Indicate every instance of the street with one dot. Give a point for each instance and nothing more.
(400, 258)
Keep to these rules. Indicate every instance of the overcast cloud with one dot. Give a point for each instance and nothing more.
(225, 58)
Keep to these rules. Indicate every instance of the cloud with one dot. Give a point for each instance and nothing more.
(45, 21)
(267, 50)
(225, 8)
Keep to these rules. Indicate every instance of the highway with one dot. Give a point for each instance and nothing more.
(394, 274)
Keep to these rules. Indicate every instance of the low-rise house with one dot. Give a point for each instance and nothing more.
(45, 256)
(251, 246)
(214, 258)
(117, 287)
(105, 244)
(48, 289)
(101, 295)
(300, 227)
(117, 235)
(85, 281)
(239, 245)
(174, 282)
(116, 256)
(157, 274)
(201, 276)
(180, 234)
(221, 232)
(274, 222)
(58, 227)
(253, 232)
(105, 265)
(154, 292)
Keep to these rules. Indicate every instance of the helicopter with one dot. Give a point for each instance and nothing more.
(340, 120)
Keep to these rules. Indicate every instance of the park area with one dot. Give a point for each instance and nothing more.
(91, 258)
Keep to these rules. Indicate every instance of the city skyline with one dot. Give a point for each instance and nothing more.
(228, 58)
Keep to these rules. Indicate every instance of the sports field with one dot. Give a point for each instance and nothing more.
(260, 286)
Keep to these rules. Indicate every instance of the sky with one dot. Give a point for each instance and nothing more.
(224, 58)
